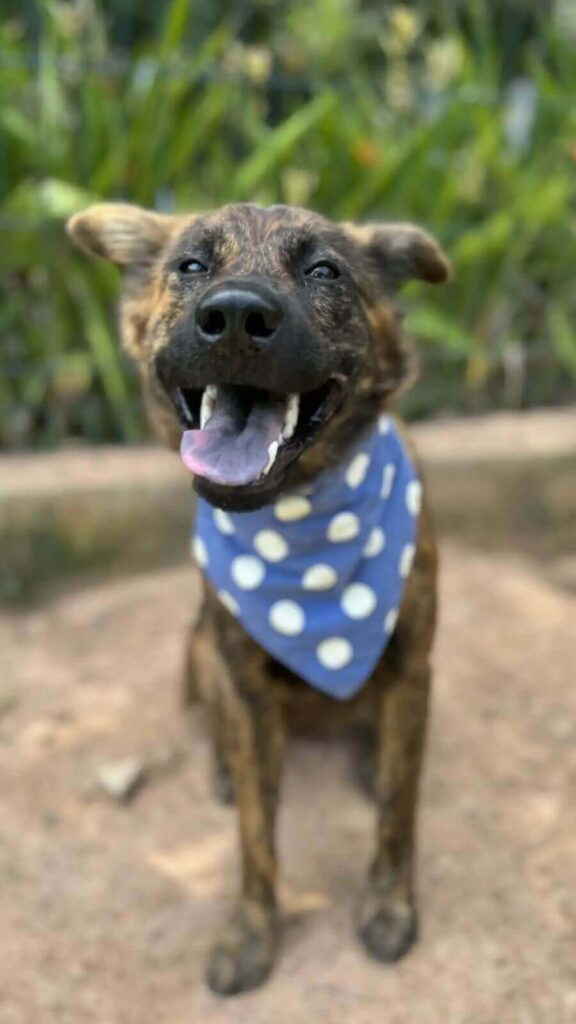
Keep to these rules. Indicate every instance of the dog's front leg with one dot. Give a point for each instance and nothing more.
(244, 953)
(388, 922)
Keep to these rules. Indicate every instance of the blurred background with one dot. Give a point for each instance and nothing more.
(116, 862)
(459, 115)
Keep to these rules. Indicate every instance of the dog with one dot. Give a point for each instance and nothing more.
(270, 348)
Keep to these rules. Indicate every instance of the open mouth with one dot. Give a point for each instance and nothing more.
(239, 436)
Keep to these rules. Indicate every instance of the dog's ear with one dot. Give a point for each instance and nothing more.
(132, 238)
(126, 235)
(401, 252)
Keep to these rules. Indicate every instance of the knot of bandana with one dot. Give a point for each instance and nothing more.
(318, 577)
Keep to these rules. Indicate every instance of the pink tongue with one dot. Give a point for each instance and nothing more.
(232, 449)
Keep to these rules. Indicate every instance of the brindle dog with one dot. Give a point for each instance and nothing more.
(282, 301)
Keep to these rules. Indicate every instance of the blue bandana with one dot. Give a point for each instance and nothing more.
(317, 578)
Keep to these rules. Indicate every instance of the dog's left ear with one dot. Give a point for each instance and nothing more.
(401, 252)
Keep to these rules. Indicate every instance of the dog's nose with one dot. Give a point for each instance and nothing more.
(235, 313)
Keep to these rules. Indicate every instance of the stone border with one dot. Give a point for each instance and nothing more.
(500, 481)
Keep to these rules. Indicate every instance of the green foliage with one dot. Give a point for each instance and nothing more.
(417, 125)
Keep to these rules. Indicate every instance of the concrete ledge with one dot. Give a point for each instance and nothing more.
(94, 511)
(500, 437)
(505, 481)
(78, 471)
(500, 481)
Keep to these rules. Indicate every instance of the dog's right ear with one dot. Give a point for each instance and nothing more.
(125, 234)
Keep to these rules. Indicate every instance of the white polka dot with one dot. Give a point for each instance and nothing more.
(200, 552)
(344, 526)
(287, 510)
(375, 543)
(356, 472)
(358, 600)
(335, 652)
(223, 521)
(390, 621)
(271, 545)
(247, 572)
(414, 497)
(287, 618)
(406, 560)
(229, 602)
(319, 577)
(388, 475)
(383, 423)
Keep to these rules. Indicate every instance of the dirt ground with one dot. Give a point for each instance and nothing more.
(107, 911)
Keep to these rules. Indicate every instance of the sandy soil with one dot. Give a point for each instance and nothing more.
(106, 911)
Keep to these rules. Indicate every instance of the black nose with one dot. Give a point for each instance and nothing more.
(236, 312)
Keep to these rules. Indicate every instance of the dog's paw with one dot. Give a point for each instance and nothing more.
(244, 954)
(389, 930)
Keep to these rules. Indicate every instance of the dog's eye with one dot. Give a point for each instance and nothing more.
(191, 266)
(323, 271)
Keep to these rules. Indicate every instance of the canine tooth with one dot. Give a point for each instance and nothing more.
(207, 404)
(272, 452)
(291, 419)
(205, 414)
(182, 405)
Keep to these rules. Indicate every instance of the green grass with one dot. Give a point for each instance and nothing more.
(426, 132)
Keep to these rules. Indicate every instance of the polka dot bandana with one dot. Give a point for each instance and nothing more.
(317, 578)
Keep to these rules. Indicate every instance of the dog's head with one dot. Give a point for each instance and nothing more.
(260, 330)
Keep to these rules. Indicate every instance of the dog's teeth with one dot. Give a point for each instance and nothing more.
(207, 404)
(291, 419)
(205, 414)
(272, 452)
